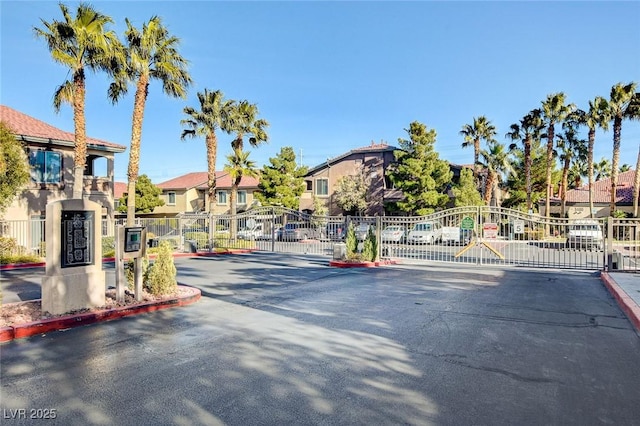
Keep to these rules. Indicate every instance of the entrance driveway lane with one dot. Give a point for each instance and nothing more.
(275, 340)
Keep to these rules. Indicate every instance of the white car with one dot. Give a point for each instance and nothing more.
(393, 234)
(585, 233)
(425, 233)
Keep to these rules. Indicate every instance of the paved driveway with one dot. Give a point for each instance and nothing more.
(287, 340)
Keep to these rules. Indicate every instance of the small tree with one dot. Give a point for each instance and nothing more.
(370, 247)
(465, 192)
(14, 167)
(282, 181)
(162, 278)
(351, 241)
(147, 196)
(351, 192)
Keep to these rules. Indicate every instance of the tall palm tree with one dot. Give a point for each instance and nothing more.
(571, 149)
(213, 115)
(496, 160)
(151, 54)
(79, 43)
(554, 111)
(602, 169)
(596, 116)
(481, 129)
(243, 121)
(622, 105)
(527, 131)
(238, 165)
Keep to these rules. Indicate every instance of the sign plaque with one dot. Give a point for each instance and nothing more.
(77, 238)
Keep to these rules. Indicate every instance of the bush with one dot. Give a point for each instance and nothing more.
(370, 247)
(201, 238)
(9, 246)
(351, 241)
(108, 246)
(162, 277)
(7, 259)
(129, 271)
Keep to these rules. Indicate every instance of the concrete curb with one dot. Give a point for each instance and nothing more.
(347, 264)
(627, 304)
(70, 321)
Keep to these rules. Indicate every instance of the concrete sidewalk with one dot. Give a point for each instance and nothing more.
(625, 288)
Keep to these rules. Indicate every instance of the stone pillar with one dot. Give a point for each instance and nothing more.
(74, 278)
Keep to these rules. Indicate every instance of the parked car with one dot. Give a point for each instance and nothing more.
(425, 233)
(296, 231)
(362, 231)
(254, 232)
(393, 234)
(585, 233)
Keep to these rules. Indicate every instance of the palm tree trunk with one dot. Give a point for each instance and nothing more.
(233, 203)
(79, 121)
(550, 136)
(211, 142)
(134, 150)
(565, 185)
(527, 171)
(476, 157)
(617, 131)
(488, 189)
(592, 139)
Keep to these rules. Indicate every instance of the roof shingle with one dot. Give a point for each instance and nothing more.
(199, 180)
(602, 190)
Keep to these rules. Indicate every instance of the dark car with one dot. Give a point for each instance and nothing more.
(296, 231)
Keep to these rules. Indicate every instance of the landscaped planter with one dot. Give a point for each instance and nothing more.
(360, 264)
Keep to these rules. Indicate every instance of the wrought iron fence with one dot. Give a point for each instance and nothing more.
(471, 235)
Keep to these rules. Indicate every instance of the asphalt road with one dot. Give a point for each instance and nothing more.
(280, 339)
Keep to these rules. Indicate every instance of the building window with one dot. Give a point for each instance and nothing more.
(221, 197)
(171, 198)
(46, 166)
(322, 187)
(309, 185)
(242, 197)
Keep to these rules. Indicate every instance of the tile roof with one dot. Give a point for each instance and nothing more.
(199, 180)
(119, 188)
(24, 125)
(602, 191)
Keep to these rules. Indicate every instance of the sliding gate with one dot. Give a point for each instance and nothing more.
(496, 236)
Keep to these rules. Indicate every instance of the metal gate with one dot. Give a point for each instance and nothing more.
(497, 236)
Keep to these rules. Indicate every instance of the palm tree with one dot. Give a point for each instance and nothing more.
(528, 130)
(499, 166)
(213, 114)
(571, 149)
(481, 129)
(622, 104)
(243, 121)
(602, 169)
(596, 116)
(150, 54)
(554, 111)
(79, 43)
(238, 165)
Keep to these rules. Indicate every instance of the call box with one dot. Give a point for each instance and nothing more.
(132, 241)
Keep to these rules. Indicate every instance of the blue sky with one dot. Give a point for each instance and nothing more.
(333, 76)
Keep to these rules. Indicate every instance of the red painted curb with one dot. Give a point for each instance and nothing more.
(626, 303)
(347, 264)
(70, 321)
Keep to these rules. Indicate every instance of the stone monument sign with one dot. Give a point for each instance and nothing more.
(74, 278)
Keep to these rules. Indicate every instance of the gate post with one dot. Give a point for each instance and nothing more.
(609, 243)
(378, 238)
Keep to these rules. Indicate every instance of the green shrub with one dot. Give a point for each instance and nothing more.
(370, 247)
(9, 246)
(162, 276)
(108, 246)
(129, 271)
(7, 259)
(351, 241)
